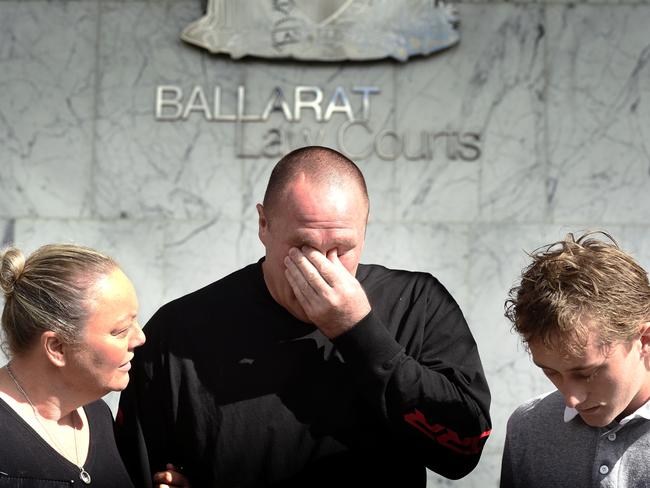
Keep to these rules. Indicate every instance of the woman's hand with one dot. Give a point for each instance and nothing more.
(171, 478)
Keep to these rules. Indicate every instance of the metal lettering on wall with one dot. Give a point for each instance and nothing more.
(351, 108)
(327, 30)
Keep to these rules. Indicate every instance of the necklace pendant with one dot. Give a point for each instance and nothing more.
(85, 476)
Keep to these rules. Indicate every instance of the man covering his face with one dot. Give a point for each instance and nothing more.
(308, 368)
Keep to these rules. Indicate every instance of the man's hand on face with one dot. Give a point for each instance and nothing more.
(331, 297)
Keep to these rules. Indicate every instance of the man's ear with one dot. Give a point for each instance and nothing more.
(262, 222)
(54, 348)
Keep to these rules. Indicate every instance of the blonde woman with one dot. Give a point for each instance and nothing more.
(70, 327)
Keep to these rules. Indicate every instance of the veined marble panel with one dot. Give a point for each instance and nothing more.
(7, 231)
(200, 252)
(489, 85)
(47, 63)
(172, 169)
(136, 245)
(599, 113)
(439, 249)
(497, 255)
(635, 240)
(269, 140)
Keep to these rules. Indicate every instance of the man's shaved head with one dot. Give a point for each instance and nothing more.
(317, 164)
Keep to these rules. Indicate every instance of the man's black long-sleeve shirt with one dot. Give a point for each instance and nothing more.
(240, 393)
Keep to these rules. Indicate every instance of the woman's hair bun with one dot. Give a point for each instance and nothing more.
(12, 263)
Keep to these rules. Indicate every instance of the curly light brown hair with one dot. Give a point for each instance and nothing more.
(575, 285)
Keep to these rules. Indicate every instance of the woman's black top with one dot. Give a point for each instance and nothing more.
(28, 461)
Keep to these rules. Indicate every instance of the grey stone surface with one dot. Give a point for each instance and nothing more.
(47, 80)
(557, 92)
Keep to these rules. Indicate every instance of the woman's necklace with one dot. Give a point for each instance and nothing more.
(83, 474)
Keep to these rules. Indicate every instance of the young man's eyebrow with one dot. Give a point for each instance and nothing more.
(584, 368)
(571, 370)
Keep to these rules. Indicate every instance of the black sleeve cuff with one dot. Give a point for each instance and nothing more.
(369, 343)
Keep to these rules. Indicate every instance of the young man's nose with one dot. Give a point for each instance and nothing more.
(573, 396)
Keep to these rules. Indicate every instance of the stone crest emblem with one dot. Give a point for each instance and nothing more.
(325, 30)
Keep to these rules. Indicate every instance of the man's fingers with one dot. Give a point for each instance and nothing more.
(307, 262)
(300, 286)
(322, 264)
(329, 294)
(328, 266)
(171, 478)
(333, 257)
(163, 479)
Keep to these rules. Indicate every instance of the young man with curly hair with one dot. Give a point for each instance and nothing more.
(583, 310)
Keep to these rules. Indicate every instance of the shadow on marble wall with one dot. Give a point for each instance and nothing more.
(559, 95)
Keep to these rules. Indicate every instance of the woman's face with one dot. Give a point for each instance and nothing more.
(101, 361)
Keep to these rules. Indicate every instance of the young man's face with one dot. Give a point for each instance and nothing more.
(603, 384)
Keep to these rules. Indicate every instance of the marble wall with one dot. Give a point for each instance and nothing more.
(559, 93)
